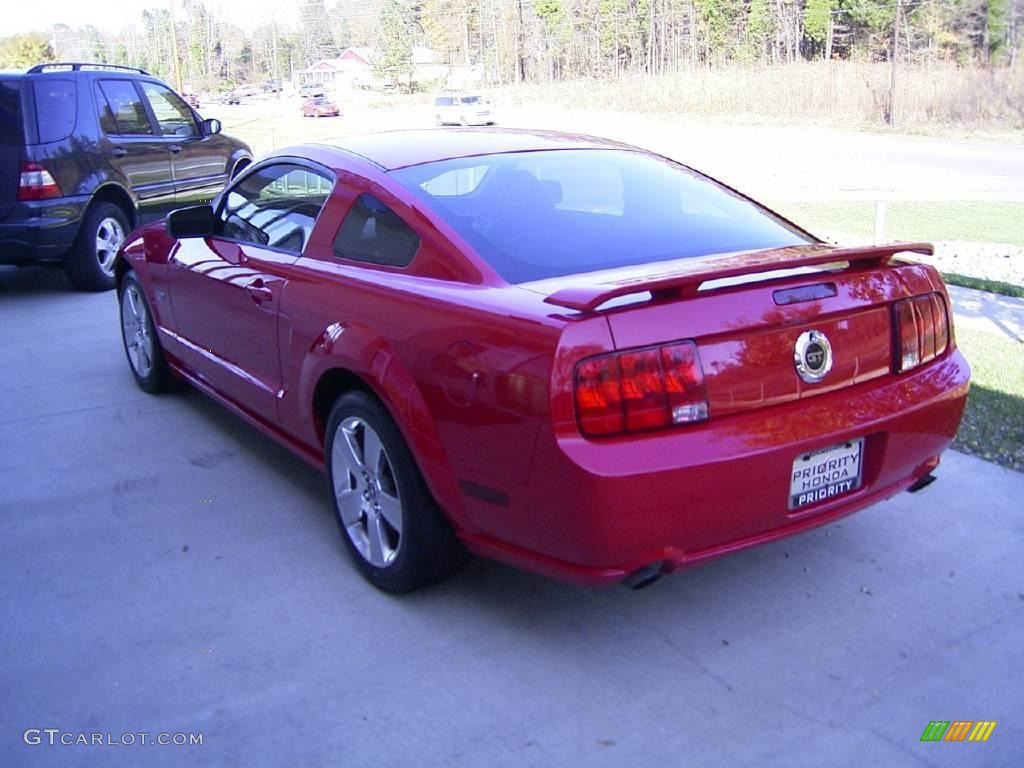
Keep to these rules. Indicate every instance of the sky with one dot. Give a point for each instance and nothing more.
(113, 15)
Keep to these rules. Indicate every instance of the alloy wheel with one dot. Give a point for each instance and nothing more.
(135, 327)
(367, 493)
(109, 237)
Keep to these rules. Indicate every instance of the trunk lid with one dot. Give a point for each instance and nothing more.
(747, 313)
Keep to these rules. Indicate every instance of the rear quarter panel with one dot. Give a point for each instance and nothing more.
(467, 386)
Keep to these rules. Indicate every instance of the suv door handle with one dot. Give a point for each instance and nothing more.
(175, 148)
(258, 291)
(119, 151)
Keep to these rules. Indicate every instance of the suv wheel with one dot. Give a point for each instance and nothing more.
(90, 263)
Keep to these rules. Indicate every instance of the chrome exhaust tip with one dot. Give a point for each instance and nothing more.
(922, 482)
(643, 577)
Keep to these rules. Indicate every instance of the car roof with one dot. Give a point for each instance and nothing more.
(391, 150)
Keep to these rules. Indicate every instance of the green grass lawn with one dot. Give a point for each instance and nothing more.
(990, 222)
(993, 425)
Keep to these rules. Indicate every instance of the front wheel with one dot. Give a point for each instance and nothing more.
(389, 521)
(90, 263)
(141, 344)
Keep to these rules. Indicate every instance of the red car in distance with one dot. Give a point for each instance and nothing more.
(320, 106)
(561, 352)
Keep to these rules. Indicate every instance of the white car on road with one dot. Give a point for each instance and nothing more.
(454, 109)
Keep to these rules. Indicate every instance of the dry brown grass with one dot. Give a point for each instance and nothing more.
(839, 93)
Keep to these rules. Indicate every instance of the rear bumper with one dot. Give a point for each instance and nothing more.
(40, 231)
(595, 512)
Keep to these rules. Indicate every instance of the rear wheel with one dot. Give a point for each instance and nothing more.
(141, 344)
(90, 263)
(389, 521)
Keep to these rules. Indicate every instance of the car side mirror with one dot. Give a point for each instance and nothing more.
(211, 126)
(194, 221)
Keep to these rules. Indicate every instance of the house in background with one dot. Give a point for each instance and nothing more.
(354, 69)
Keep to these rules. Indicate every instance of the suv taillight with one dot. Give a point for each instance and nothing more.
(640, 389)
(36, 183)
(922, 330)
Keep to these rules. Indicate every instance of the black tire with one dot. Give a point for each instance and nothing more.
(158, 377)
(90, 267)
(427, 550)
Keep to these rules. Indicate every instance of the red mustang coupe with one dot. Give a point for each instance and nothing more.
(556, 351)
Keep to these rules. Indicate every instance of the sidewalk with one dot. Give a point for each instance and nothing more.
(990, 312)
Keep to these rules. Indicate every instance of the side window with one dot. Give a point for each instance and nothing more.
(455, 183)
(374, 233)
(56, 108)
(172, 114)
(275, 206)
(121, 110)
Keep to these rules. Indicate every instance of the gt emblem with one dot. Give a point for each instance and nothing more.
(812, 356)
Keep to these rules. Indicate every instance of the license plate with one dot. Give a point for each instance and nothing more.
(824, 474)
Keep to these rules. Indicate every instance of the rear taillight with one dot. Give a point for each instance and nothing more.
(36, 183)
(922, 330)
(640, 389)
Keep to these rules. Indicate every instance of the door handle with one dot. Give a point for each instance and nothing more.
(119, 151)
(258, 291)
(175, 149)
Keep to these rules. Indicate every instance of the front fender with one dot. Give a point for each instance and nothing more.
(146, 251)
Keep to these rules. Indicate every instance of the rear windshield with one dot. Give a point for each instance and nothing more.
(10, 113)
(535, 215)
(56, 108)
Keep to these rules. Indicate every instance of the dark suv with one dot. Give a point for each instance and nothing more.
(90, 151)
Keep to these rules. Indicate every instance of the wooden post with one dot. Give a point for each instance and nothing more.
(879, 222)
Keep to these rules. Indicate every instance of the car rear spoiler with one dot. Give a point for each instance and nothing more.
(586, 298)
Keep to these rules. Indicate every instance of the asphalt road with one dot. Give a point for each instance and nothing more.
(165, 568)
(810, 163)
(778, 163)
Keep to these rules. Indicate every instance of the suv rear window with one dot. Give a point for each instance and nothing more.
(56, 108)
(10, 113)
(534, 215)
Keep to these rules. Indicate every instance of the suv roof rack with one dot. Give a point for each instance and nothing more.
(78, 66)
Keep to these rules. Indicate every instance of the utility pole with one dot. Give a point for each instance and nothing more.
(275, 69)
(174, 47)
(520, 65)
(894, 55)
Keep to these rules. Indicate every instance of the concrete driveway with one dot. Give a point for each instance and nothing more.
(164, 568)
